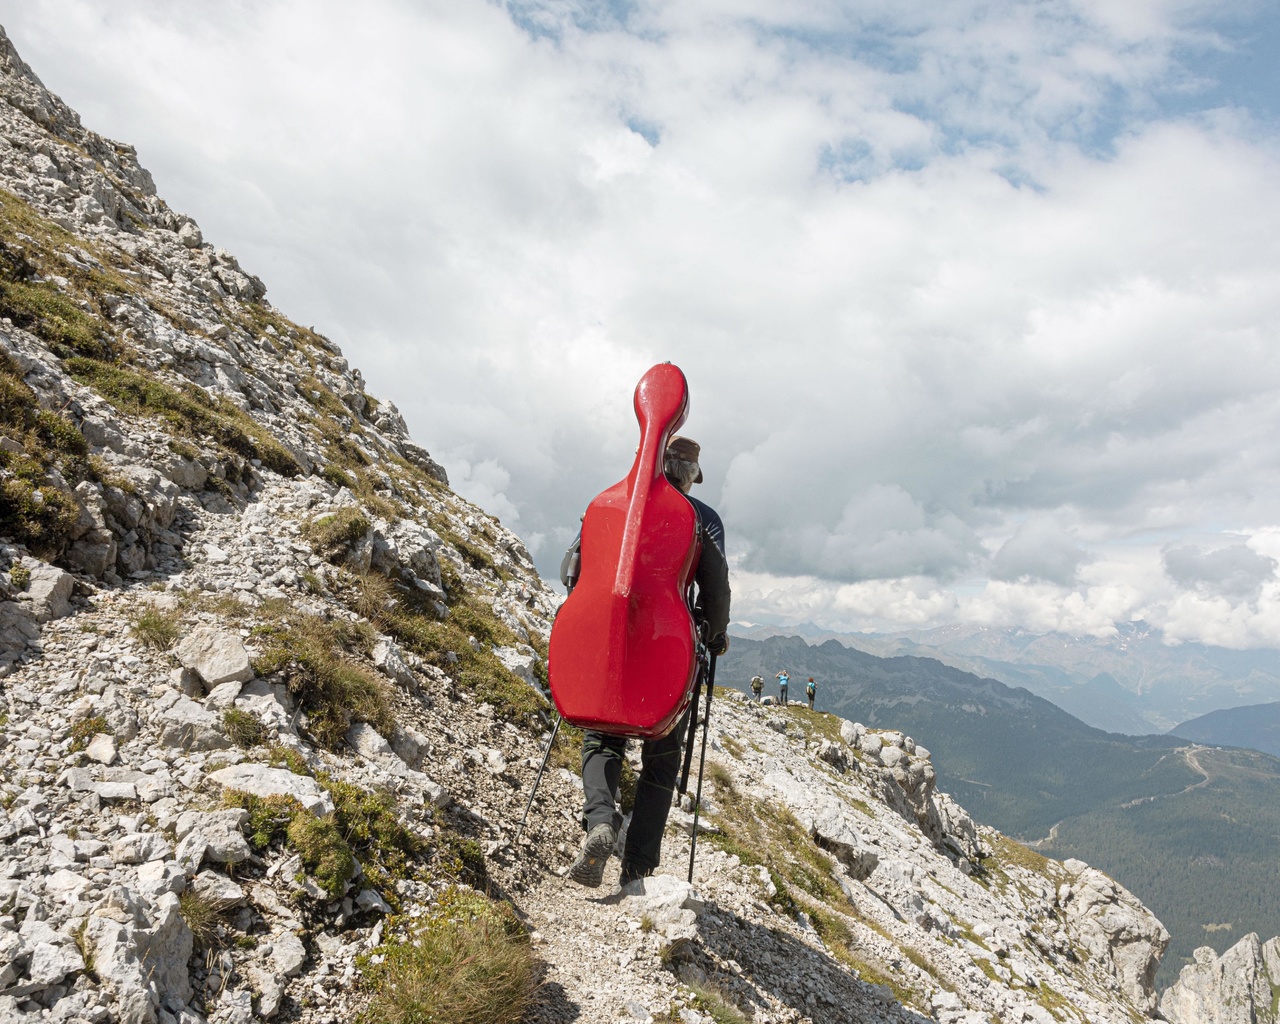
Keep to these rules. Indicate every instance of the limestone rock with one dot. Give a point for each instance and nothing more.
(18, 631)
(388, 657)
(671, 904)
(140, 953)
(1119, 931)
(102, 748)
(188, 726)
(410, 745)
(270, 991)
(827, 819)
(218, 889)
(49, 591)
(139, 848)
(223, 696)
(262, 780)
(1236, 988)
(288, 954)
(366, 741)
(216, 655)
(519, 661)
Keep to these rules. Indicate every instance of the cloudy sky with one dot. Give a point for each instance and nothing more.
(979, 300)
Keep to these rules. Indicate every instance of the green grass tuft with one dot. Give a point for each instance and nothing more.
(317, 657)
(203, 916)
(188, 410)
(469, 962)
(242, 728)
(158, 628)
(85, 730)
(332, 535)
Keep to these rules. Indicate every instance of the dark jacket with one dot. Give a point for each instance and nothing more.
(711, 604)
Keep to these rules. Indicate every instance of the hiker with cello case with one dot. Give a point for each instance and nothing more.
(635, 642)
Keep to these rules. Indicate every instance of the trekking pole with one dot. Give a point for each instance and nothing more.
(546, 754)
(702, 762)
(683, 787)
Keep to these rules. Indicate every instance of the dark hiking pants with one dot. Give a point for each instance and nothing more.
(601, 775)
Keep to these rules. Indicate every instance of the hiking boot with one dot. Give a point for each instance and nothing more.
(588, 868)
(631, 873)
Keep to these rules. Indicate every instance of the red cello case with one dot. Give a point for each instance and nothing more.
(623, 652)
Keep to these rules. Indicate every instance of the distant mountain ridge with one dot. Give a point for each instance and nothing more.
(1190, 830)
(1256, 726)
(1131, 683)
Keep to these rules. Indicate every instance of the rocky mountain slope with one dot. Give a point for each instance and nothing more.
(1242, 986)
(271, 703)
(1189, 830)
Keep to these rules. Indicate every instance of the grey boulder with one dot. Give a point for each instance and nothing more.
(216, 655)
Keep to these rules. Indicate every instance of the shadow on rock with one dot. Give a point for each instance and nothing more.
(775, 964)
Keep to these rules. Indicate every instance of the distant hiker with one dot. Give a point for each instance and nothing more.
(811, 691)
(783, 679)
(757, 687)
(602, 753)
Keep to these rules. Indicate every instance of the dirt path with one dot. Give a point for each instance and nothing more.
(1189, 754)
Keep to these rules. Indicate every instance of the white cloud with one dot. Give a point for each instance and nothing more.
(943, 281)
(1040, 549)
(1235, 571)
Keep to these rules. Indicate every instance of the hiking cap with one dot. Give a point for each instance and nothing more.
(686, 450)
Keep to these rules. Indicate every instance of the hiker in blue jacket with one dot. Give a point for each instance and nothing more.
(783, 679)
(602, 753)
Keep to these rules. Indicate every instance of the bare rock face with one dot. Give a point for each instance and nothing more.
(1116, 929)
(18, 631)
(827, 819)
(1238, 987)
(49, 591)
(190, 727)
(140, 951)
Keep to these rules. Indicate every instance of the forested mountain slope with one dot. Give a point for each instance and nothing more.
(1256, 726)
